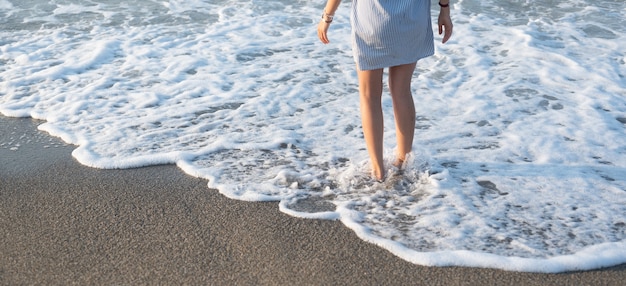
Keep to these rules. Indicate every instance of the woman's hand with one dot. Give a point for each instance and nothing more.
(445, 24)
(322, 31)
(327, 17)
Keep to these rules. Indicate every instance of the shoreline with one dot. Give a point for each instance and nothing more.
(62, 222)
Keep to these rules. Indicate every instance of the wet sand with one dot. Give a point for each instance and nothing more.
(64, 223)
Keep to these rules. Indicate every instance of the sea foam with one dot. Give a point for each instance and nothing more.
(518, 158)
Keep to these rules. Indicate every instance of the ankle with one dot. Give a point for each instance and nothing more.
(398, 163)
(378, 175)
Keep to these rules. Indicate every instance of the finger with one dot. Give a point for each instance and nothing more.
(322, 33)
(447, 34)
(323, 37)
(440, 29)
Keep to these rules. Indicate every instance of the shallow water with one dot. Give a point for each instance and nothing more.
(519, 154)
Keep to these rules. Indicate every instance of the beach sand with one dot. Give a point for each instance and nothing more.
(64, 223)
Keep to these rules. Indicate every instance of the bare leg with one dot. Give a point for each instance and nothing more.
(403, 108)
(370, 90)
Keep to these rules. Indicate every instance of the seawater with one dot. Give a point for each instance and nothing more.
(520, 148)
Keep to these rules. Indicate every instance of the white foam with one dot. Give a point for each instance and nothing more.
(5, 5)
(519, 152)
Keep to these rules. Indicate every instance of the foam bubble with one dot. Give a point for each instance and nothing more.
(5, 5)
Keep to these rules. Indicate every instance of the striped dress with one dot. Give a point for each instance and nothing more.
(388, 33)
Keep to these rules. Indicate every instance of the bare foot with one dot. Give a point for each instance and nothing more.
(398, 163)
(378, 176)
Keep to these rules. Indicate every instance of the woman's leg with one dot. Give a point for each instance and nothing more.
(370, 90)
(403, 108)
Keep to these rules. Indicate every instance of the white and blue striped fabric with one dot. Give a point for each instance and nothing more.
(388, 33)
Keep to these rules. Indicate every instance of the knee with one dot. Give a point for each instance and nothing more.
(399, 88)
(370, 93)
(401, 94)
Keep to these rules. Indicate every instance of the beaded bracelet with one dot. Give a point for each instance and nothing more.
(444, 5)
(328, 18)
